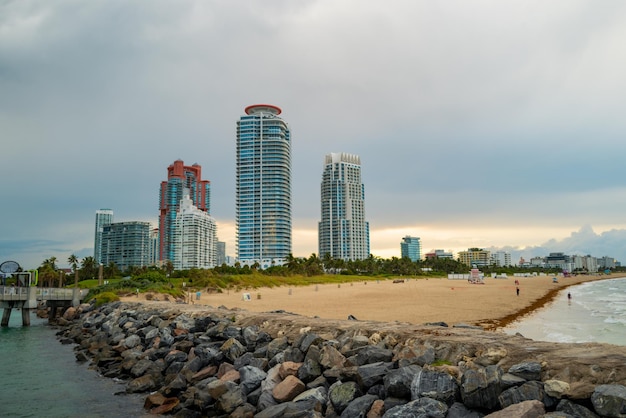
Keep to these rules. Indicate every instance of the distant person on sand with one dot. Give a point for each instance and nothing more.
(517, 291)
(569, 296)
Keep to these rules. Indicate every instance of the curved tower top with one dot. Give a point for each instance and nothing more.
(263, 108)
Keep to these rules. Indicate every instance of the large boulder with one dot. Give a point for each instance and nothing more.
(419, 408)
(610, 401)
(398, 382)
(529, 370)
(341, 394)
(436, 385)
(481, 387)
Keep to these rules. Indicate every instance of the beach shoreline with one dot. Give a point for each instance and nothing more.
(492, 305)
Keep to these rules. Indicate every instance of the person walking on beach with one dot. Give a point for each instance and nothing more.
(517, 290)
(569, 296)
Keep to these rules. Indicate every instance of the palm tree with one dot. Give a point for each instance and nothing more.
(89, 269)
(73, 260)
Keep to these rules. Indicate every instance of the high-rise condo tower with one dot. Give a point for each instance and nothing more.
(263, 186)
(179, 178)
(343, 231)
(103, 217)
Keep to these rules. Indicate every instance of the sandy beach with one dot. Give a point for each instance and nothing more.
(493, 304)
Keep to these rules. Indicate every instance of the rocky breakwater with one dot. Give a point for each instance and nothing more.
(219, 362)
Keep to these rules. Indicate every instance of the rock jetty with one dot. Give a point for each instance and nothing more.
(217, 362)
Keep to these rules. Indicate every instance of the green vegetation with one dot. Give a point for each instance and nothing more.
(102, 298)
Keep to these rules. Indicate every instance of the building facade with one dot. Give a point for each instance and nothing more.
(263, 186)
(179, 178)
(501, 259)
(103, 217)
(194, 238)
(475, 257)
(343, 230)
(410, 247)
(126, 244)
(221, 253)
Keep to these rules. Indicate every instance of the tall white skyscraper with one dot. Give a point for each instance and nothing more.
(343, 231)
(194, 237)
(263, 186)
(103, 217)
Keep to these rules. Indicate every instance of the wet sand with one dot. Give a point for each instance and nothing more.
(493, 304)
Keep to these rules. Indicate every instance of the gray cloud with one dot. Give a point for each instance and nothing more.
(500, 114)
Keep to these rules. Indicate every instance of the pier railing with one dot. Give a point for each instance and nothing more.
(9, 293)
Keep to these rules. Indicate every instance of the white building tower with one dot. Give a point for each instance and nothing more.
(195, 237)
(343, 231)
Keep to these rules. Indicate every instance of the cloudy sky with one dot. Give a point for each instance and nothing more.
(479, 123)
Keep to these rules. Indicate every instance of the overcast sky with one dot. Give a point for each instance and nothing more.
(479, 123)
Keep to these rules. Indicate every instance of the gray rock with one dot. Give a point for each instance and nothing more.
(251, 378)
(293, 354)
(458, 410)
(341, 394)
(574, 410)
(481, 388)
(141, 384)
(289, 410)
(509, 380)
(175, 355)
(132, 341)
(371, 354)
(319, 394)
(359, 407)
(231, 399)
(308, 340)
(526, 392)
(398, 382)
(232, 349)
(370, 374)
(419, 408)
(309, 371)
(276, 346)
(527, 370)
(610, 400)
(436, 385)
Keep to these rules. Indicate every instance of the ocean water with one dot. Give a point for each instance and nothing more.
(595, 313)
(40, 377)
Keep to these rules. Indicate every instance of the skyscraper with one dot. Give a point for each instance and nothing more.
(179, 177)
(343, 231)
(195, 237)
(127, 244)
(410, 247)
(103, 217)
(263, 185)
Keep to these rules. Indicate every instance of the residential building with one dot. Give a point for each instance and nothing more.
(343, 231)
(607, 262)
(439, 254)
(153, 254)
(501, 259)
(221, 253)
(410, 247)
(559, 260)
(263, 186)
(475, 257)
(127, 244)
(179, 178)
(194, 237)
(103, 217)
